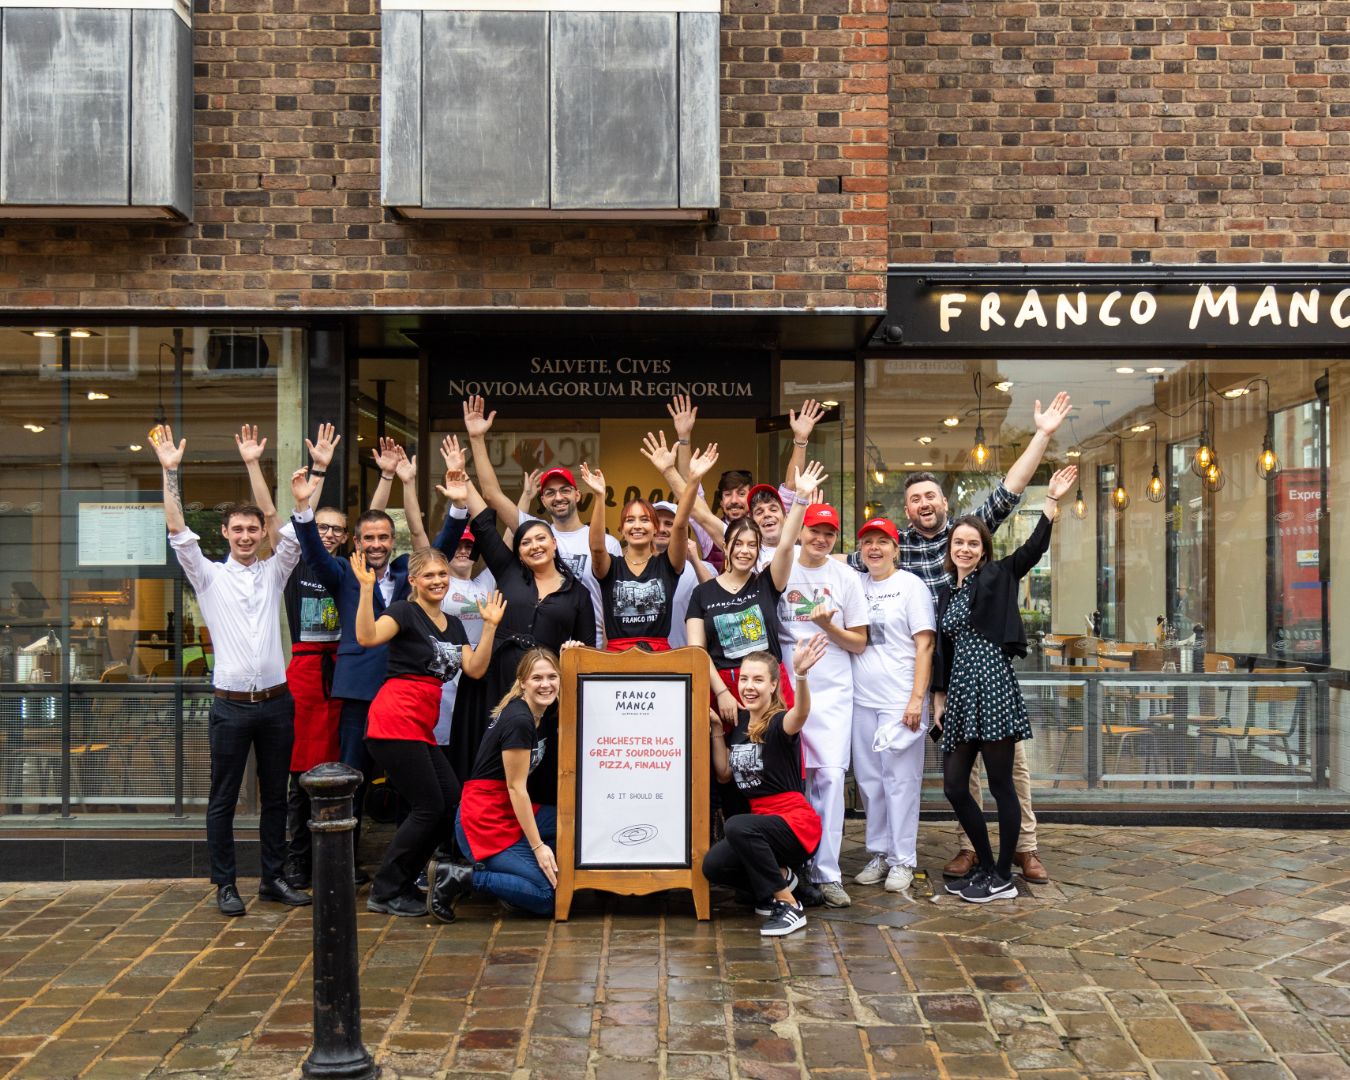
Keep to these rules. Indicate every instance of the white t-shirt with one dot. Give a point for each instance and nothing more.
(827, 734)
(899, 607)
(687, 583)
(461, 601)
(575, 549)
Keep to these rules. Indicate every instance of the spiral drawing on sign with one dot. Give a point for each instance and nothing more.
(635, 834)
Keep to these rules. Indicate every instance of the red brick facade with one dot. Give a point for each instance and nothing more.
(287, 187)
(1161, 131)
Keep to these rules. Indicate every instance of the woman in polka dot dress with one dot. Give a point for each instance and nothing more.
(977, 702)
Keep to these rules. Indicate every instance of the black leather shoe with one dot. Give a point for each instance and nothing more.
(280, 890)
(227, 899)
(451, 882)
(405, 906)
(297, 875)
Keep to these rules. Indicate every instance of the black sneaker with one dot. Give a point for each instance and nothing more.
(783, 920)
(405, 906)
(767, 909)
(988, 886)
(955, 885)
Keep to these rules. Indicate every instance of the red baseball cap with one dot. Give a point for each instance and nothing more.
(467, 536)
(881, 525)
(565, 474)
(750, 499)
(821, 514)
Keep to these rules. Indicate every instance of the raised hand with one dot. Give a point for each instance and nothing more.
(456, 486)
(804, 656)
(250, 448)
(406, 469)
(475, 423)
(683, 415)
(324, 444)
(170, 455)
(804, 422)
(492, 609)
(1062, 481)
(809, 480)
(655, 450)
(452, 453)
(365, 577)
(593, 480)
(386, 456)
(702, 463)
(1048, 421)
(303, 487)
(821, 615)
(529, 485)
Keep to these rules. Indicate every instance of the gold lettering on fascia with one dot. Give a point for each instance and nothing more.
(599, 388)
(1270, 308)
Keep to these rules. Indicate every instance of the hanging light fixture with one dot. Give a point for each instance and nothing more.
(979, 453)
(1267, 463)
(1156, 490)
(1079, 504)
(1120, 498)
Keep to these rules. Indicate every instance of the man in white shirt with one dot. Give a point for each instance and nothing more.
(560, 497)
(241, 600)
(825, 595)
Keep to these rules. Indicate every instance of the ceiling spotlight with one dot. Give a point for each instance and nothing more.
(830, 404)
(81, 333)
(44, 333)
(952, 421)
(1124, 371)
(1140, 427)
(36, 429)
(1073, 453)
(134, 447)
(924, 440)
(1237, 392)
(96, 395)
(926, 464)
(1004, 384)
(1156, 370)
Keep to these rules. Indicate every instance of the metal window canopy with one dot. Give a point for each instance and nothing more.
(598, 109)
(95, 109)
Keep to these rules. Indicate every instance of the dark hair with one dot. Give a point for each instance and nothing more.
(986, 540)
(373, 516)
(734, 478)
(242, 509)
(766, 496)
(922, 478)
(519, 534)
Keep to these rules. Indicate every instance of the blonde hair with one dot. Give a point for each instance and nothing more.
(419, 561)
(776, 703)
(523, 670)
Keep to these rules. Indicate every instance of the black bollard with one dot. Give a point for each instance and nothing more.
(338, 1051)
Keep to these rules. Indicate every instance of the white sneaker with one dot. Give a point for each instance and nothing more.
(874, 873)
(900, 878)
(834, 893)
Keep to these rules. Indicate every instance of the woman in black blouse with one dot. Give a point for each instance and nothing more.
(546, 607)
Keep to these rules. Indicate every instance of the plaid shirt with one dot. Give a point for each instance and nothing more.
(924, 555)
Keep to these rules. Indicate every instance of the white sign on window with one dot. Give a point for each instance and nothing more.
(633, 771)
(121, 534)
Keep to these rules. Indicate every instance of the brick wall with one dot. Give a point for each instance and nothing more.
(1163, 131)
(287, 187)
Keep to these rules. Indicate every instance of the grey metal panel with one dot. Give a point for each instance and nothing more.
(615, 111)
(485, 109)
(64, 109)
(700, 130)
(401, 108)
(161, 111)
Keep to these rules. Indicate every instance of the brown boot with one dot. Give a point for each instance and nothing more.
(1033, 870)
(960, 866)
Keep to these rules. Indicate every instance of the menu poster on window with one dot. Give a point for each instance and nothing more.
(632, 771)
(1298, 510)
(121, 534)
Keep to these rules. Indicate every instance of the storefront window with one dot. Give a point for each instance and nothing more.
(104, 660)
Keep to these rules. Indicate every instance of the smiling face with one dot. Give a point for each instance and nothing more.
(878, 553)
(967, 548)
(767, 513)
(461, 565)
(638, 527)
(244, 533)
(756, 685)
(560, 498)
(431, 582)
(661, 538)
(540, 687)
(817, 543)
(743, 553)
(537, 548)
(734, 502)
(375, 540)
(926, 507)
(332, 526)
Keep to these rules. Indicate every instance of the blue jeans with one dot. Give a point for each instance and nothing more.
(513, 875)
(236, 727)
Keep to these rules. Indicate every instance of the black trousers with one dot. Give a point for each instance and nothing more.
(353, 752)
(750, 853)
(266, 729)
(421, 775)
(300, 847)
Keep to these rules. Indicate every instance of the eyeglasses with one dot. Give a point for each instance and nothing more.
(332, 528)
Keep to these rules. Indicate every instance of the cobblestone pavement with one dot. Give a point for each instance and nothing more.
(1167, 953)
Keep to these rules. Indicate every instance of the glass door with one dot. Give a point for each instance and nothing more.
(773, 449)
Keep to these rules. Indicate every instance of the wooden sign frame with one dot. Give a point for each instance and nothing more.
(688, 663)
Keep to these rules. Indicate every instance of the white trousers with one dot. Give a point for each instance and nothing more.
(825, 792)
(890, 782)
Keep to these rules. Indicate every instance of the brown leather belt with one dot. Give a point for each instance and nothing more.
(253, 697)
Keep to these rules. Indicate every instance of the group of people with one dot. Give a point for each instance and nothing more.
(447, 676)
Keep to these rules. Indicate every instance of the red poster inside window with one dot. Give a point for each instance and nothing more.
(1298, 509)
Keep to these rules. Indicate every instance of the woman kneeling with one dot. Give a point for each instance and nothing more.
(508, 838)
(763, 755)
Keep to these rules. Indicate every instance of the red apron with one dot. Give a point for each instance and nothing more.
(793, 808)
(623, 644)
(316, 713)
(407, 707)
(488, 818)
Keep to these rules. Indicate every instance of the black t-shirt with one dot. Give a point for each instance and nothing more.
(737, 624)
(638, 605)
(771, 767)
(311, 610)
(514, 729)
(420, 648)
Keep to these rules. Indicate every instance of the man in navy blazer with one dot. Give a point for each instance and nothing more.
(359, 671)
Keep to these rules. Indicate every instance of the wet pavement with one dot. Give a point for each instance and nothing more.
(1165, 953)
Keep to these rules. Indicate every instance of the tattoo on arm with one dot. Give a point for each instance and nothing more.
(171, 485)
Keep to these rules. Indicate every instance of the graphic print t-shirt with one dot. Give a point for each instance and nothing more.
(574, 548)
(835, 586)
(765, 768)
(899, 607)
(737, 624)
(514, 729)
(422, 649)
(310, 608)
(639, 605)
(461, 601)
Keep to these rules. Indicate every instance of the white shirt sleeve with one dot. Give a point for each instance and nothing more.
(612, 545)
(853, 610)
(287, 554)
(199, 570)
(920, 608)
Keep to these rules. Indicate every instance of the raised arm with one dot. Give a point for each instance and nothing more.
(600, 560)
(802, 424)
(699, 466)
(1037, 544)
(683, 414)
(170, 459)
(477, 425)
(662, 457)
(804, 658)
(321, 452)
(386, 457)
(251, 450)
(804, 483)
(370, 631)
(326, 568)
(1047, 423)
(478, 657)
(406, 471)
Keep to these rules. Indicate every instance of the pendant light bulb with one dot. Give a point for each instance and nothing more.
(1155, 491)
(1120, 498)
(979, 453)
(1204, 455)
(1214, 477)
(1267, 463)
(1079, 505)
(879, 475)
